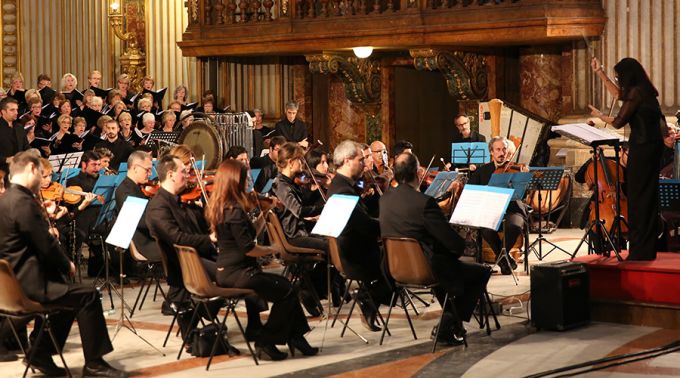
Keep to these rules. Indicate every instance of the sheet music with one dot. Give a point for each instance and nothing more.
(62, 161)
(126, 223)
(335, 215)
(481, 206)
(586, 134)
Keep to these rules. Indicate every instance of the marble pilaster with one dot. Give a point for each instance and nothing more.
(540, 81)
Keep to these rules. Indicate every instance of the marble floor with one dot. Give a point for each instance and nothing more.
(515, 350)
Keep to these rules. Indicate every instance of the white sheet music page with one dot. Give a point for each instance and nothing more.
(335, 215)
(585, 133)
(481, 206)
(126, 223)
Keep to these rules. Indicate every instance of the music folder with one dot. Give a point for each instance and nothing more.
(126, 223)
(335, 215)
(517, 181)
(481, 206)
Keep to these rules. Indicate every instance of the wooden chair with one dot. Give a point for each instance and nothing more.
(15, 305)
(411, 269)
(202, 291)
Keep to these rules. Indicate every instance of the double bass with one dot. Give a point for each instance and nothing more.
(607, 172)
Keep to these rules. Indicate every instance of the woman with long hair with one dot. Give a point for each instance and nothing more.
(237, 266)
(640, 109)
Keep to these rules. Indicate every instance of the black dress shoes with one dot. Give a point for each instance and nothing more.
(301, 344)
(270, 352)
(46, 365)
(100, 368)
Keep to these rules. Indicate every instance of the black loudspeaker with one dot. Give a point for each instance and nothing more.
(560, 297)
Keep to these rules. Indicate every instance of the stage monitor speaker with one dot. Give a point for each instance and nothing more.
(560, 297)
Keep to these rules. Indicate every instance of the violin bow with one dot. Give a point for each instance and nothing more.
(426, 171)
(323, 196)
(199, 179)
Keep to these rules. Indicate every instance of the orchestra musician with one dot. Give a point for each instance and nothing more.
(42, 268)
(462, 133)
(260, 132)
(381, 166)
(670, 136)
(317, 160)
(406, 212)
(291, 127)
(358, 242)
(373, 186)
(640, 109)
(516, 214)
(267, 163)
(228, 216)
(86, 217)
(295, 211)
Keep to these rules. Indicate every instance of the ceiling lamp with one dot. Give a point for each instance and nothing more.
(363, 51)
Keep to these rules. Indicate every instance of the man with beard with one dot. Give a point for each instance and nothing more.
(120, 148)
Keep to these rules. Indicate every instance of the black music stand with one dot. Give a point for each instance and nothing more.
(669, 195)
(597, 225)
(543, 179)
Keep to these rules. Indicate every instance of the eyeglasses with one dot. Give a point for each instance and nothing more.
(379, 151)
(148, 170)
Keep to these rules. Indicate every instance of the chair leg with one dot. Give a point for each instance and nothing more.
(243, 333)
(16, 335)
(167, 336)
(139, 295)
(56, 346)
(349, 315)
(408, 317)
(188, 331)
(389, 313)
(218, 337)
(342, 302)
(146, 292)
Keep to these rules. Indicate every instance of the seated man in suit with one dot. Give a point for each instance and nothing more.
(516, 214)
(139, 171)
(406, 212)
(32, 248)
(267, 163)
(358, 242)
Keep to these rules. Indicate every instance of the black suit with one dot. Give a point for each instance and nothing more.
(293, 132)
(142, 237)
(12, 140)
(405, 212)
(267, 171)
(515, 215)
(41, 266)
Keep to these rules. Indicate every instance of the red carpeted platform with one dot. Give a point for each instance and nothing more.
(655, 281)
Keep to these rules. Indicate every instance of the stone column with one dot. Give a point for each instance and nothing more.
(540, 81)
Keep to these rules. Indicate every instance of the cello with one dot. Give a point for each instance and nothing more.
(607, 172)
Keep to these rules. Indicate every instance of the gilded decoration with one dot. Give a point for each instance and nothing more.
(192, 6)
(10, 40)
(465, 73)
(360, 77)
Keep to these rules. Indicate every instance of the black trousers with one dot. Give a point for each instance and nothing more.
(514, 224)
(286, 318)
(318, 273)
(463, 280)
(80, 302)
(643, 199)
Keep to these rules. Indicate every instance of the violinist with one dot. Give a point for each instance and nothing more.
(139, 171)
(55, 212)
(295, 212)
(238, 153)
(318, 162)
(105, 157)
(267, 163)
(381, 166)
(358, 242)
(516, 214)
(372, 185)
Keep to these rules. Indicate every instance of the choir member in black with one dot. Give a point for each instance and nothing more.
(12, 139)
(515, 215)
(406, 212)
(44, 86)
(123, 84)
(139, 171)
(261, 133)
(60, 144)
(237, 266)
(358, 242)
(120, 148)
(295, 211)
(69, 83)
(171, 222)
(17, 91)
(640, 109)
(31, 247)
(291, 127)
(267, 163)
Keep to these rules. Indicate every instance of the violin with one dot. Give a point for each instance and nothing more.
(71, 195)
(509, 167)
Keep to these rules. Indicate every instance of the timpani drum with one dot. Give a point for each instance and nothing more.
(205, 141)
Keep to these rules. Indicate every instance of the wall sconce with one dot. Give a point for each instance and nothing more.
(362, 51)
(132, 59)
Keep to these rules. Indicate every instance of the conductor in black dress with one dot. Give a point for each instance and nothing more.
(640, 109)
(237, 266)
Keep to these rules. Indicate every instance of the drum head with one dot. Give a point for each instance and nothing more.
(203, 140)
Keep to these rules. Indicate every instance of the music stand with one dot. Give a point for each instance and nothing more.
(669, 195)
(440, 184)
(105, 187)
(543, 179)
(61, 161)
(469, 153)
(120, 237)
